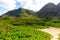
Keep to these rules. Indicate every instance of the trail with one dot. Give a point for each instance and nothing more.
(53, 31)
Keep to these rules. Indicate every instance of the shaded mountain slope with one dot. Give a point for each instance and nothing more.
(49, 10)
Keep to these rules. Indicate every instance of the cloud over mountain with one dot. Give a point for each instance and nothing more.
(27, 4)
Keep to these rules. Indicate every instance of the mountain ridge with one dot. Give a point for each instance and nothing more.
(18, 12)
(48, 11)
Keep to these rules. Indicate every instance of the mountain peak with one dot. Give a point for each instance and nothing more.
(58, 4)
(18, 12)
(49, 10)
(50, 4)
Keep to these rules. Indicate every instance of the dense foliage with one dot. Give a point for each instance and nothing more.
(23, 33)
(8, 31)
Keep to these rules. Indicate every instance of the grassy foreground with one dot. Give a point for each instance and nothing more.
(22, 33)
(23, 29)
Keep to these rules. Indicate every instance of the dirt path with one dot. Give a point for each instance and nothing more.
(53, 31)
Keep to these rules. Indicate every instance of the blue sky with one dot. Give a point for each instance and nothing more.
(7, 5)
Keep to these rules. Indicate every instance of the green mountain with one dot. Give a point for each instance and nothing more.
(50, 10)
(18, 12)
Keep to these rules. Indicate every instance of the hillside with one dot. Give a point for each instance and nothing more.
(58, 7)
(49, 10)
(18, 12)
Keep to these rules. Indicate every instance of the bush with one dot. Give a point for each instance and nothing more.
(27, 21)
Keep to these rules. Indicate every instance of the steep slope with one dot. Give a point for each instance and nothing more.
(18, 12)
(49, 10)
(58, 7)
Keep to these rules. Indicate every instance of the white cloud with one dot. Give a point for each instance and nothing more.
(8, 4)
(27, 4)
(54, 1)
(36, 4)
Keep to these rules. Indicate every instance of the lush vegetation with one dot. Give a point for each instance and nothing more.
(25, 17)
(22, 29)
(54, 22)
(22, 33)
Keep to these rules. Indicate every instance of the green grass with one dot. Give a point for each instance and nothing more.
(38, 26)
(23, 33)
(53, 24)
(25, 29)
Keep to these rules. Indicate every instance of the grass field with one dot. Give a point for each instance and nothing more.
(25, 29)
(23, 33)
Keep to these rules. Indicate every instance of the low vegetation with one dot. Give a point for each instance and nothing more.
(24, 28)
(23, 33)
(55, 22)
